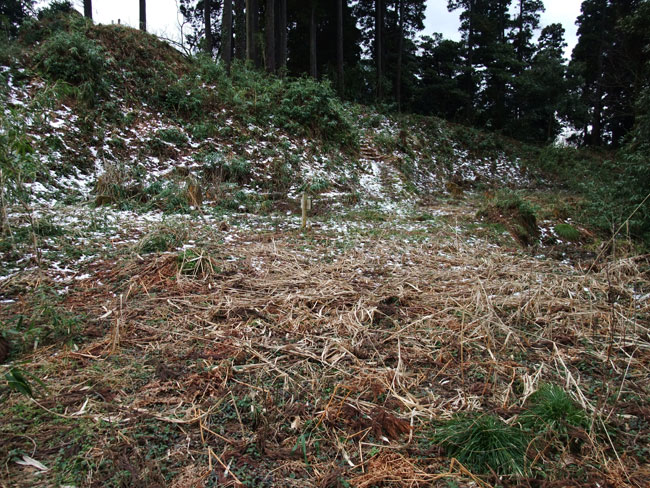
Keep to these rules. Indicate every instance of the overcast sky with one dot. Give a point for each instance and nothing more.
(162, 16)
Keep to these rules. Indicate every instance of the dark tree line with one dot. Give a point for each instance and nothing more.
(507, 73)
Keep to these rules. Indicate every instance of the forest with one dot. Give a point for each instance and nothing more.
(309, 244)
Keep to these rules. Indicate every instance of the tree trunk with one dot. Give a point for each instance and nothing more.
(226, 34)
(252, 26)
(207, 21)
(240, 29)
(282, 29)
(596, 122)
(339, 46)
(379, 23)
(400, 56)
(143, 15)
(470, 64)
(269, 31)
(313, 70)
(88, 9)
(520, 21)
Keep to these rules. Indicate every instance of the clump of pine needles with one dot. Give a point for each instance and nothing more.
(484, 444)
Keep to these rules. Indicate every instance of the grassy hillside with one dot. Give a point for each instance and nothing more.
(450, 317)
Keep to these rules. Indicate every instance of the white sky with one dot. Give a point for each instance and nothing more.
(162, 16)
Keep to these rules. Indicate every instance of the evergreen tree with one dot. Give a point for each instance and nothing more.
(605, 58)
(281, 35)
(525, 23)
(299, 45)
(541, 90)
(439, 90)
(207, 22)
(252, 32)
(13, 13)
(226, 33)
(88, 9)
(201, 36)
(143, 15)
(269, 32)
(339, 46)
(240, 29)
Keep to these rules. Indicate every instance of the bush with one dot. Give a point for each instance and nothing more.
(173, 136)
(309, 106)
(168, 197)
(218, 168)
(73, 58)
(509, 209)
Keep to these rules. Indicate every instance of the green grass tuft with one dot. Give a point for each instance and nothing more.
(484, 444)
(551, 410)
(567, 232)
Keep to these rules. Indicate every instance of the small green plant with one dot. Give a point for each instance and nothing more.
(484, 443)
(168, 196)
(173, 136)
(17, 381)
(567, 232)
(551, 410)
(161, 239)
(196, 263)
(218, 168)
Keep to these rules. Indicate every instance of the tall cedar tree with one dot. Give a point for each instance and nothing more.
(340, 82)
(313, 26)
(440, 90)
(379, 46)
(526, 23)
(603, 56)
(252, 31)
(240, 29)
(269, 33)
(468, 18)
(281, 35)
(207, 19)
(299, 45)
(226, 34)
(88, 9)
(143, 15)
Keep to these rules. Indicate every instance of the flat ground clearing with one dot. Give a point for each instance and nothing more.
(325, 358)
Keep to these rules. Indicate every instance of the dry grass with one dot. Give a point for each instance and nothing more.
(281, 369)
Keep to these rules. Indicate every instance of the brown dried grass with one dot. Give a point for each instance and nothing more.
(361, 352)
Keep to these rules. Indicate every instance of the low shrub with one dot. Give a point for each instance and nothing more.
(74, 58)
